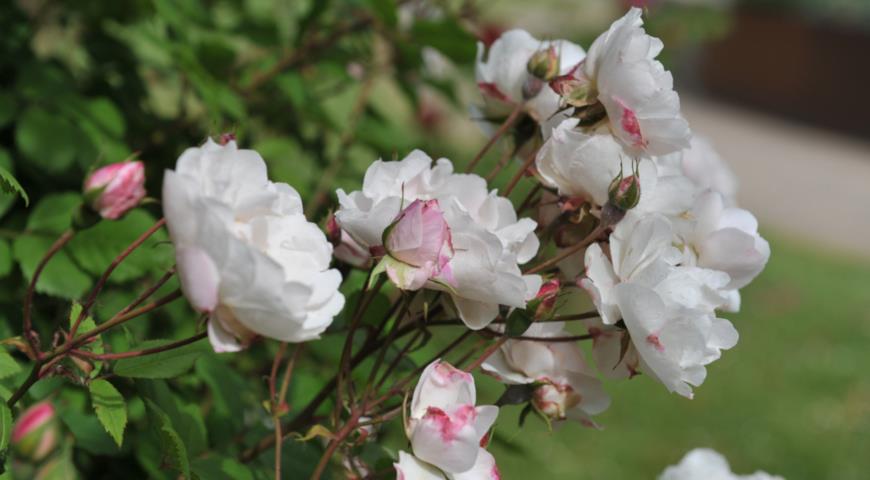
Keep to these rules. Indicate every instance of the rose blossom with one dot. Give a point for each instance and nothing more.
(245, 253)
(444, 426)
(488, 241)
(567, 387)
(419, 246)
(116, 188)
(637, 92)
(667, 308)
(503, 77)
(707, 464)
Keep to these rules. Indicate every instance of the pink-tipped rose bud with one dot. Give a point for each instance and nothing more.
(547, 295)
(555, 399)
(419, 246)
(115, 189)
(36, 432)
(544, 64)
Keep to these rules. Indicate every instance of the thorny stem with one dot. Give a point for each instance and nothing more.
(502, 162)
(569, 338)
(569, 251)
(140, 353)
(391, 337)
(335, 442)
(507, 124)
(29, 334)
(520, 174)
(105, 277)
(55, 355)
(366, 297)
(486, 354)
(278, 400)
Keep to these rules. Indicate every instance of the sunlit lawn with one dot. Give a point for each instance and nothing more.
(793, 397)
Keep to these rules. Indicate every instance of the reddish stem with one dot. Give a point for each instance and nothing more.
(519, 175)
(486, 354)
(507, 124)
(568, 252)
(139, 353)
(105, 277)
(29, 334)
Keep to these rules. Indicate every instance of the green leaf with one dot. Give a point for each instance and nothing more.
(518, 322)
(45, 139)
(60, 277)
(94, 249)
(110, 407)
(516, 394)
(173, 448)
(6, 201)
(448, 37)
(186, 418)
(5, 258)
(54, 212)
(87, 324)
(5, 433)
(89, 434)
(168, 364)
(220, 468)
(10, 185)
(7, 108)
(8, 365)
(386, 10)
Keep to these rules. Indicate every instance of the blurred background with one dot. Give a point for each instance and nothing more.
(780, 87)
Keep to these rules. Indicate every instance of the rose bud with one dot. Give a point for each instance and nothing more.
(36, 432)
(116, 188)
(623, 195)
(544, 64)
(547, 296)
(418, 246)
(555, 399)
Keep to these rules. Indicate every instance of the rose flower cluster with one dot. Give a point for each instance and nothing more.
(630, 213)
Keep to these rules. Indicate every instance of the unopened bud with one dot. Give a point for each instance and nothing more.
(115, 189)
(36, 432)
(544, 64)
(333, 231)
(555, 399)
(226, 138)
(547, 295)
(624, 192)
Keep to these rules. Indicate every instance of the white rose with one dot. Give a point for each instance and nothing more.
(569, 388)
(501, 72)
(642, 107)
(245, 253)
(489, 242)
(667, 308)
(707, 464)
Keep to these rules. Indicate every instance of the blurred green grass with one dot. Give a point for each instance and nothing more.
(792, 398)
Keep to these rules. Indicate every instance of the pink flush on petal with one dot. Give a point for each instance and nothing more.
(653, 340)
(446, 373)
(420, 238)
(631, 125)
(491, 90)
(449, 426)
(495, 474)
